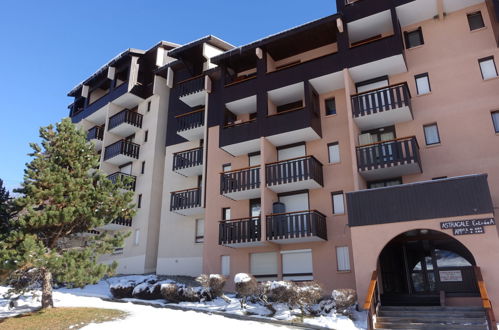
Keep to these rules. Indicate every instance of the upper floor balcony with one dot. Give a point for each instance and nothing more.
(96, 135)
(244, 232)
(241, 184)
(190, 125)
(436, 199)
(118, 224)
(294, 174)
(125, 123)
(186, 202)
(296, 227)
(188, 162)
(382, 107)
(389, 159)
(121, 152)
(120, 177)
(192, 91)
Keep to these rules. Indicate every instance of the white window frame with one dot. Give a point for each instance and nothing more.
(343, 259)
(199, 228)
(338, 206)
(225, 265)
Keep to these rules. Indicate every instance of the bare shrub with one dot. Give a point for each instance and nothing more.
(344, 298)
(214, 283)
(246, 286)
(150, 290)
(169, 291)
(122, 289)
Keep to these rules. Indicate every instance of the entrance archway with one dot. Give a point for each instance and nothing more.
(417, 266)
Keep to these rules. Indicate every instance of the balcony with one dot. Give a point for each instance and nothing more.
(242, 232)
(389, 159)
(241, 184)
(382, 107)
(188, 162)
(119, 176)
(296, 227)
(186, 202)
(96, 135)
(121, 152)
(190, 125)
(120, 223)
(436, 199)
(192, 91)
(294, 174)
(125, 123)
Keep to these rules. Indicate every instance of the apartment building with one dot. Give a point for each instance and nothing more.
(122, 106)
(359, 150)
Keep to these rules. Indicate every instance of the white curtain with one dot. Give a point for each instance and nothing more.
(343, 258)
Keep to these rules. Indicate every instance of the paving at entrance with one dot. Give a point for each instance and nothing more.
(430, 317)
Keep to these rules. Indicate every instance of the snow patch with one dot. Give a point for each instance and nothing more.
(242, 278)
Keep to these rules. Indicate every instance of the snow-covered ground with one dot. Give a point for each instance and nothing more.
(161, 318)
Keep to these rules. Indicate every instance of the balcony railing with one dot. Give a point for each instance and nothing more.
(190, 86)
(294, 170)
(190, 120)
(185, 199)
(388, 153)
(122, 147)
(125, 116)
(240, 180)
(127, 222)
(187, 158)
(381, 99)
(282, 226)
(96, 133)
(119, 176)
(239, 231)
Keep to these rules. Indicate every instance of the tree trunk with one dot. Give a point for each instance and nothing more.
(47, 289)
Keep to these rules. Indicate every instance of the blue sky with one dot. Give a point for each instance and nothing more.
(49, 46)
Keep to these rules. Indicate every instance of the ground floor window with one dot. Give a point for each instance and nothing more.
(264, 265)
(225, 265)
(343, 258)
(297, 265)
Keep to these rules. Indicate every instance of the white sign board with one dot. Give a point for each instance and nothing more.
(451, 276)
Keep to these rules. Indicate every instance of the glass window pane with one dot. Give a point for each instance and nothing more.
(475, 20)
(334, 153)
(225, 265)
(338, 205)
(495, 119)
(343, 258)
(431, 134)
(330, 106)
(423, 85)
(488, 68)
(414, 38)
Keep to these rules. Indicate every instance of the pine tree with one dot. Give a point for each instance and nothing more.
(5, 209)
(62, 197)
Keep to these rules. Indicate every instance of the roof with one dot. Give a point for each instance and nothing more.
(276, 37)
(117, 58)
(210, 39)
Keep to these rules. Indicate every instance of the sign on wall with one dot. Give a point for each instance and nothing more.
(468, 227)
(450, 276)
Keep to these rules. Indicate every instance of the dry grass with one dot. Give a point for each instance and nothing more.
(61, 318)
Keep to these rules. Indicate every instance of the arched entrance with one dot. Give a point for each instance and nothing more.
(417, 266)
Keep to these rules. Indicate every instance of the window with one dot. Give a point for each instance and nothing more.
(488, 67)
(225, 265)
(139, 201)
(264, 265)
(475, 21)
(255, 207)
(334, 152)
(343, 258)
(495, 120)
(431, 134)
(226, 213)
(136, 237)
(330, 106)
(146, 136)
(199, 238)
(297, 265)
(148, 106)
(226, 167)
(384, 183)
(338, 204)
(143, 168)
(423, 83)
(414, 38)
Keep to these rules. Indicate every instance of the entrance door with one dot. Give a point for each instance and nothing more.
(415, 266)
